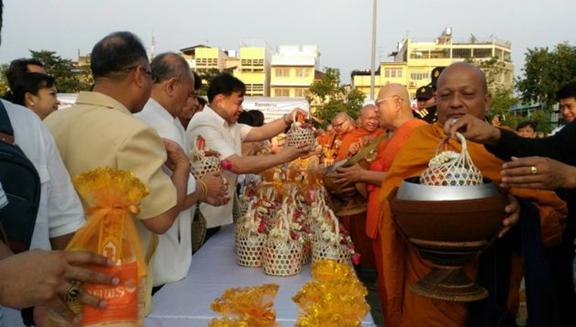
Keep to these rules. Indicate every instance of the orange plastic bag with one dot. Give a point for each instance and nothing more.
(112, 198)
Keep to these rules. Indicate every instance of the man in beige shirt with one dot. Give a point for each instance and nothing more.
(100, 131)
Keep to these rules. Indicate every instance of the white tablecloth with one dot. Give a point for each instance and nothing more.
(187, 303)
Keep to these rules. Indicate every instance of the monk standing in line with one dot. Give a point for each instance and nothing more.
(395, 114)
(352, 142)
(462, 89)
(366, 130)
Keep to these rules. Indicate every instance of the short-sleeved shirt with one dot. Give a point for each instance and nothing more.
(173, 255)
(98, 131)
(60, 211)
(226, 139)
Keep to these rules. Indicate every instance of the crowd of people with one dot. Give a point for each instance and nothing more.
(145, 117)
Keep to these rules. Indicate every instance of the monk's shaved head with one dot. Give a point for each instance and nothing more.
(462, 90)
(368, 118)
(341, 116)
(342, 123)
(394, 89)
(393, 106)
(459, 67)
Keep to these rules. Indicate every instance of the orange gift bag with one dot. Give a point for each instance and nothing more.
(111, 198)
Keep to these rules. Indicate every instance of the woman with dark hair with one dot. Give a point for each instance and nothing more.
(37, 92)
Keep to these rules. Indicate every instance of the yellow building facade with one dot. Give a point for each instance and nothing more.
(292, 70)
(254, 70)
(414, 61)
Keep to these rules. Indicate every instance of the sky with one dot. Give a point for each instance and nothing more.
(340, 28)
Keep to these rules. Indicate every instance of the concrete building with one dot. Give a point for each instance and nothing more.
(413, 61)
(254, 69)
(293, 70)
(203, 58)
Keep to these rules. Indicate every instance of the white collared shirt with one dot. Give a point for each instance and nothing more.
(226, 139)
(173, 255)
(60, 211)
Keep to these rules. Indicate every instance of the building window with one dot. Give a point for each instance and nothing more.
(440, 53)
(419, 54)
(393, 72)
(254, 89)
(301, 72)
(299, 92)
(282, 72)
(482, 53)
(281, 92)
(461, 53)
(418, 76)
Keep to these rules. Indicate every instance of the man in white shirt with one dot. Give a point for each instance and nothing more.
(173, 85)
(43, 278)
(217, 125)
(60, 211)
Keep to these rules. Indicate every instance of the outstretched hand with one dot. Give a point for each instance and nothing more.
(539, 173)
(473, 129)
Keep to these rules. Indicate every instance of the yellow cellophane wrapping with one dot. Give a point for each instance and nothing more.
(248, 306)
(111, 197)
(334, 298)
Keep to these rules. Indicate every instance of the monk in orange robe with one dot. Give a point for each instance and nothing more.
(461, 90)
(366, 130)
(352, 142)
(395, 114)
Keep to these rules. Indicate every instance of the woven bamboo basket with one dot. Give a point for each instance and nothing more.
(449, 168)
(282, 256)
(200, 163)
(298, 135)
(198, 230)
(323, 249)
(249, 249)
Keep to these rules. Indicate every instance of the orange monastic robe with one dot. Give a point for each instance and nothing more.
(401, 262)
(386, 153)
(355, 136)
(356, 224)
(326, 138)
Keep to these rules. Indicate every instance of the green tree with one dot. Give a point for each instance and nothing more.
(68, 77)
(545, 71)
(328, 97)
(207, 77)
(495, 71)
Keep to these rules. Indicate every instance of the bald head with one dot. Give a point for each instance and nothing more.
(342, 123)
(368, 118)
(173, 82)
(393, 106)
(170, 65)
(462, 90)
(460, 67)
(394, 90)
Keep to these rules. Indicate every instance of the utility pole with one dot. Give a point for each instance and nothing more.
(373, 58)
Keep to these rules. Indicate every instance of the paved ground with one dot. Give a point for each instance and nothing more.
(368, 277)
